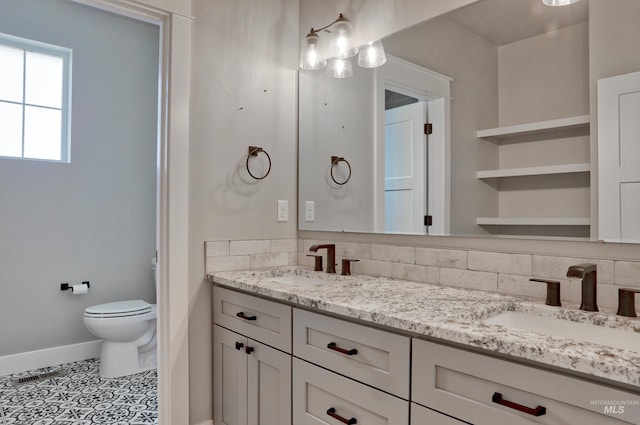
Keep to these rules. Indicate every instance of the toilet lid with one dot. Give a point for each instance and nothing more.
(119, 309)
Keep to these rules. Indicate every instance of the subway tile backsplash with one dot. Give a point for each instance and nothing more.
(484, 270)
(250, 254)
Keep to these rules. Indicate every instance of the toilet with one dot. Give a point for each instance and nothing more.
(128, 331)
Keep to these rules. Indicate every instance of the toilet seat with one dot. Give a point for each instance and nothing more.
(118, 309)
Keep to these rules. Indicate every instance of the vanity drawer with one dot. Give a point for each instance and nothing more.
(262, 320)
(422, 416)
(319, 393)
(375, 357)
(464, 385)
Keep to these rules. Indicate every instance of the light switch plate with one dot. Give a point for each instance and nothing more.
(283, 210)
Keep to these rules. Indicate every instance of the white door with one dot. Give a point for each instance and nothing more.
(405, 169)
(229, 377)
(269, 385)
(619, 158)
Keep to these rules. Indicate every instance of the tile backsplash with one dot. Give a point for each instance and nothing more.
(484, 270)
(249, 254)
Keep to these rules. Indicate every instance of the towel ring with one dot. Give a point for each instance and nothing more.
(253, 151)
(334, 161)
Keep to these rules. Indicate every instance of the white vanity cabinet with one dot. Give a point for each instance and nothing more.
(364, 355)
(252, 380)
(420, 415)
(485, 390)
(375, 357)
(278, 365)
(322, 397)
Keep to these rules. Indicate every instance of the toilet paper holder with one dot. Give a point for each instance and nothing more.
(66, 286)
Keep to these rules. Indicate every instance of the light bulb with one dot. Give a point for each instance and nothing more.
(372, 55)
(311, 54)
(339, 68)
(341, 45)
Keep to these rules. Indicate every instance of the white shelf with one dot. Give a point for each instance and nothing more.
(535, 171)
(533, 221)
(581, 121)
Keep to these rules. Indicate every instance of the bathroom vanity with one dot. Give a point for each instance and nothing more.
(295, 346)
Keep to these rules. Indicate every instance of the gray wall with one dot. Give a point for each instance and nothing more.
(244, 77)
(92, 219)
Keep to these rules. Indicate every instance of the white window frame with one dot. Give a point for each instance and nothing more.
(65, 54)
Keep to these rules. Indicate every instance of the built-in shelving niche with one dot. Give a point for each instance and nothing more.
(546, 199)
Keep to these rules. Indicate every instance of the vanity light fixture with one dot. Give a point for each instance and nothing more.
(559, 2)
(340, 51)
(339, 68)
(372, 55)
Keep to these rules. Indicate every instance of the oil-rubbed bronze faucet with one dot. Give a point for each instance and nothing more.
(626, 302)
(586, 272)
(553, 291)
(346, 266)
(331, 255)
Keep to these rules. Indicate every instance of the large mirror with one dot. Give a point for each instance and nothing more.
(509, 88)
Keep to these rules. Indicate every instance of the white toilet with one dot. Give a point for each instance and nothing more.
(128, 331)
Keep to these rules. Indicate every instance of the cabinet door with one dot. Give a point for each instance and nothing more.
(619, 158)
(229, 377)
(269, 385)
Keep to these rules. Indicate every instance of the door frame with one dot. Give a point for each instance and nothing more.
(172, 202)
(411, 79)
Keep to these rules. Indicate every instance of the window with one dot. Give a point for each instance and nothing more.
(35, 87)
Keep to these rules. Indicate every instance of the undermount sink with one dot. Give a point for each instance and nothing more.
(555, 327)
(296, 279)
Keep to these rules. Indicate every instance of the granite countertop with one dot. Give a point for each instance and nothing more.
(450, 314)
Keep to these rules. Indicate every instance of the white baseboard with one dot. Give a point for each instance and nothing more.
(30, 360)
(210, 422)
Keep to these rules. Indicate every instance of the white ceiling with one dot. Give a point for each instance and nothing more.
(505, 21)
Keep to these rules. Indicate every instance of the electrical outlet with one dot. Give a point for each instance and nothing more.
(309, 211)
(283, 210)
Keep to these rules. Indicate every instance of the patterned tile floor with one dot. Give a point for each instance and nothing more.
(79, 397)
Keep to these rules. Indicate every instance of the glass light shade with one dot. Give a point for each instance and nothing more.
(311, 53)
(559, 2)
(372, 55)
(341, 45)
(339, 68)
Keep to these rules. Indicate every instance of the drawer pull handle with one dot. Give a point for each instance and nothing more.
(333, 346)
(239, 345)
(245, 317)
(538, 411)
(332, 412)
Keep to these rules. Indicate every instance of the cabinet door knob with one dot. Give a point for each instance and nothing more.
(537, 411)
(239, 345)
(332, 412)
(249, 350)
(245, 317)
(333, 346)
